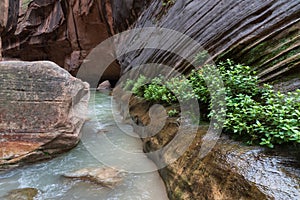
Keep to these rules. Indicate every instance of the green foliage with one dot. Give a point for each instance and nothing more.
(258, 115)
(176, 89)
(255, 114)
(201, 57)
(139, 86)
(168, 2)
(128, 85)
(25, 4)
(172, 113)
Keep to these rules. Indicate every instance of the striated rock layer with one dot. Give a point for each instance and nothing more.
(64, 31)
(262, 34)
(230, 170)
(42, 109)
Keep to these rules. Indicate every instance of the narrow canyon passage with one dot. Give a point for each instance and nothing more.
(47, 176)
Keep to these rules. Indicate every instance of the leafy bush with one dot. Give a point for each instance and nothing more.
(172, 113)
(258, 115)
(168, 2)
(139, 86)
(255, 114)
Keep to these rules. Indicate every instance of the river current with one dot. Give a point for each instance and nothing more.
(104, 144)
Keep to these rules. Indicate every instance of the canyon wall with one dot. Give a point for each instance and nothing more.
(262, 34)
(231, 170)
(64, 31)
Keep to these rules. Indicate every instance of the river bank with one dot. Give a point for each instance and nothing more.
(231, 170)
(47, 176)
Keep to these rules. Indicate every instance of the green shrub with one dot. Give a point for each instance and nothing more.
(128, 85)
(258, 115)
(168, 2)
(139, 86)
(172, 113)
(176, 89)
(255, 114)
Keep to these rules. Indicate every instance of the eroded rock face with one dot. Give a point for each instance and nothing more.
(3, 20)
(64, 31)
(262, 34)
(230, 171)
(42, 109)
(107, 177)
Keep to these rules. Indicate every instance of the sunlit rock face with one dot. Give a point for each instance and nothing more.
(64, 31)
(262, 34)
(42, 109)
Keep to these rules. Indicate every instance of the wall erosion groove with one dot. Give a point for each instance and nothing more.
(63, 31)
(262, 34)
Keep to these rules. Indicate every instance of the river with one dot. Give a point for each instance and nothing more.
(103, 144)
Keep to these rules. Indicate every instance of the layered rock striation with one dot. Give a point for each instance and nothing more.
(262, 34)
(64, 31)
(42, 110)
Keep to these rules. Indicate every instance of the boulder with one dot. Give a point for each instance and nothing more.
(105, 85)
(22, 194)
(42, 110)
(106, 177)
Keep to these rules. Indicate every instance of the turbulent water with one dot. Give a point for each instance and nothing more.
(106, 141)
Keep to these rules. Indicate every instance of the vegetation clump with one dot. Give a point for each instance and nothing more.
(255, 114)
(168, 2)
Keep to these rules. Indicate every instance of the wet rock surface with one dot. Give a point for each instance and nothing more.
(106, 177)
(231, 170)
(42, 111)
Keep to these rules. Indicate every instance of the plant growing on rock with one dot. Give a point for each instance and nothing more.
(255, 114)
(172, 113)
(168, 2)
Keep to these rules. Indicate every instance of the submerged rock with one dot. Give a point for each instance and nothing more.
(42, 109)
(21, 194)
(107, 177)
